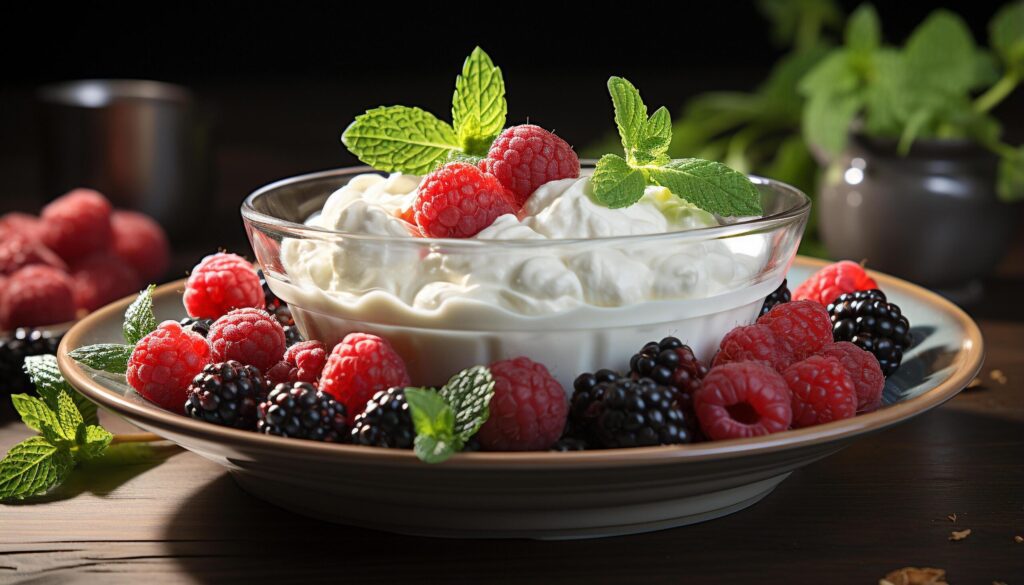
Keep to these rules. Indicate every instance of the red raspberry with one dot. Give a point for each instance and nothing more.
(525, 157)
(164, 363)
(220, 283)
(801, 328)
(141, 242)
(101, 279)
(77, 224)
(822, 391)
(862, 367)
(23, 224)
(528, 410)
(36, 295)
(743, 399)
(749, 343)
(458, 200)
(250, 336)
(833, 280)
(302, 362)
(18, 250)
(359, 367)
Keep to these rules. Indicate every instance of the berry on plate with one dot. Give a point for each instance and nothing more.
(298, 410)
(220, 283)
(800, 327)
(778, 296)
(250, 336)
(873, 324)
(77, 224)
(528, 410)
(743, 399)
(141, 243)
(671, 363)
(227, 394)
(165, 362)
(833, 280)
(863, 369)
(639, 413)
(525, 157)
(359, 367)
(101, 279)
(822, 391)
(750, 343)
(386, 421)
(302, 362)
(458, 200)
(588, 389)
(36, 295)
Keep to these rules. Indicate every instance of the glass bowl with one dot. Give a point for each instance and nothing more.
(575, 305)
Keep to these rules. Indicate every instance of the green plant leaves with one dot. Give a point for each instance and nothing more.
(478, 106)
(863, 31)
(33, 467)
(1006, 35)
(139, 320)
(34, 412)
(49, 383)
(107, 357)
(616, 184)
(940, 54)
(710, 186)
(1010, 180)
(400, 139)
(434, 422)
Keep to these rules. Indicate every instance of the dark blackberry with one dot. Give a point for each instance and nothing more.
(292, 335)
(586, 393)
(23, 343)
(570, 444)
(671, 363)
(227, 394)
(283, 315)
(200, 326)
(299, 410)
(866, 318)
(778, 296)
(639, 413)
(270, 300)
(385, 422)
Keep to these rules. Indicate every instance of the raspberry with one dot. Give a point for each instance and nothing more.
(822, 391)
(801, 328)
(359, 367)
(458, 200)
(141, 242)
(863, 369)
(833, 280)
(18, 250)
(528, 410)
(250, 336)
(36, 295)
(77, 224)
(749, 343)
(101, 279)
(302, 362)
(22, 224)
(525, 157)
(743, 399)
(165, 362)
(220, 283)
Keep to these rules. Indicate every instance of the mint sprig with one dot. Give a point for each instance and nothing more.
(620, 181)
(139, 321)
(33, 467)
(401, 139)
(445, 420)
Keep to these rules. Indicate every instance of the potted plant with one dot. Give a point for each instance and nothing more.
(918, 181)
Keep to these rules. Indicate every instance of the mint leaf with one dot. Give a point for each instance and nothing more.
(655, 138)
(615, 183)
(93, 441)
(469, 394)
(833, 75)
(400, 139)
(478, 107)
(827, 119)
(32, 467)
(863, 32)
(457, 156)
(940, 54)
(68, 416)
(49, 383)
(431, 449)
(107, 357)
(139, 320)
(630, 114)
(709, 185)
(34, 412)
(434, 422)
(1010, 178)
(1006, 35)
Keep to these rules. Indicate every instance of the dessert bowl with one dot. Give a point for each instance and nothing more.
(573, 304)
(539, 494)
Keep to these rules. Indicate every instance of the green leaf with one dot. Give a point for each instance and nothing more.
(615, 183)
(32, 467)
(49, 383)
(655, 138)
(941, 54)
(832, 75)
(34, 412)
(630, 113)
(139, 320)
(478, 107)
(434, 422)
(469, 394)
(93, 441)
(431, 449)
(827, 119)
(107, 357)
(863, 32)
(400, 139)
(68, 416)
(709, 185)
(1006, 35)
(1010, 180)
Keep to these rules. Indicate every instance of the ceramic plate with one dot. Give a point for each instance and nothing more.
(539, 494)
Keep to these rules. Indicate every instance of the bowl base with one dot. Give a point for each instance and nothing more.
(569, 523)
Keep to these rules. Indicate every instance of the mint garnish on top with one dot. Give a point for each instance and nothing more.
(619, 181)
(404, 139)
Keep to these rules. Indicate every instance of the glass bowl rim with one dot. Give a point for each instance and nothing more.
(292, 229)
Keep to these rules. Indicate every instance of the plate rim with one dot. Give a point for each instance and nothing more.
(968, 363)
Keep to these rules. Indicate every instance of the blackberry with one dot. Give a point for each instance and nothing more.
(270, 300)
(587, 392)
(671, 363)
(385, 422)
(639, 413)
(13, 350)
(200, 326)
(227, 394)
(866, 318)
(778, 296)
(299, 410)
(283, 315)
(292, 335)
(570, 444)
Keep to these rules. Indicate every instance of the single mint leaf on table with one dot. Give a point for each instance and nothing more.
(468, 394)
(93, 441)
(400, 139)
(616, 184)
(49, 383)
(478, 106)
(32, 467)
(1006, 35)
(709, 185)
(34, 412)
(107, 357)
(139, 320)
(434, 422)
